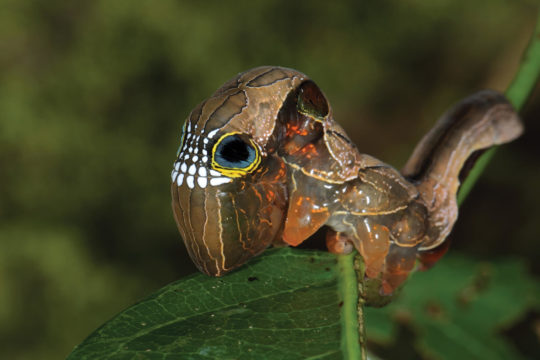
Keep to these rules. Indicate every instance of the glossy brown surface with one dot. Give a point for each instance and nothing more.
(263, 162)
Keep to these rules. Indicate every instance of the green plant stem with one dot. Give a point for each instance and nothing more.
(528, 72)
(348, 291)
(360, 269)
(517, 93)
(474, 175)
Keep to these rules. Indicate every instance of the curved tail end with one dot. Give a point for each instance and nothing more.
(478, 122)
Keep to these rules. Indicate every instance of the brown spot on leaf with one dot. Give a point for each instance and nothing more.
(435, 310)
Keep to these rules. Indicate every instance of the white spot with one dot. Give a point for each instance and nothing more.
(214, 173)
(204, 152)
(212, 133)
(177, 166)
(192, 169)
(188, 127)
(205, 140)
(202, 182)
(186, 157)
(190, 183)
(183, 167)
(202, 171)
(205, 158)
(366, 222)
(180, 179)
(173, 174)
(196, 150)
(219, 181)
(195, 158)
(190, 149)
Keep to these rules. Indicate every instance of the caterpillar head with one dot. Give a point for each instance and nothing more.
(230, 182)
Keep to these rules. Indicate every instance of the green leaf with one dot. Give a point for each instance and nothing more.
(282, 305)
(289, 304)
(460, 317)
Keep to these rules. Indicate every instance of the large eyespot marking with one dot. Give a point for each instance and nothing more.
(233, 152)
(234, 156)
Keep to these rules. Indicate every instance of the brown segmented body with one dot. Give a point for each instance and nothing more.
(263, 162)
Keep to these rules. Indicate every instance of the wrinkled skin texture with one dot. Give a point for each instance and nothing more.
(263, 162)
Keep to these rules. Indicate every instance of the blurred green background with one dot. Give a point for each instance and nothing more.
(93, 95)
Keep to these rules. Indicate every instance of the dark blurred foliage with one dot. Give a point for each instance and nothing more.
(93, 95)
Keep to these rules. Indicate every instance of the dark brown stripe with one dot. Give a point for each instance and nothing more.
(268, 78)
(223, 114)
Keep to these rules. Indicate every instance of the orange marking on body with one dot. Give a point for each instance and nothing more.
(258, 194)
(270, 195)
(309, 151)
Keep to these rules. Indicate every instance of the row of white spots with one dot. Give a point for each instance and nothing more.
(188, 168)
(202, 181)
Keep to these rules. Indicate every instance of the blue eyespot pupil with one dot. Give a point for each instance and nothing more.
(233, 152)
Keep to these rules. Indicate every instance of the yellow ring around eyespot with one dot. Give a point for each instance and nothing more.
(235, 172)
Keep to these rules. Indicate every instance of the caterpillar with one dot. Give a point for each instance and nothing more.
(263, 162)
